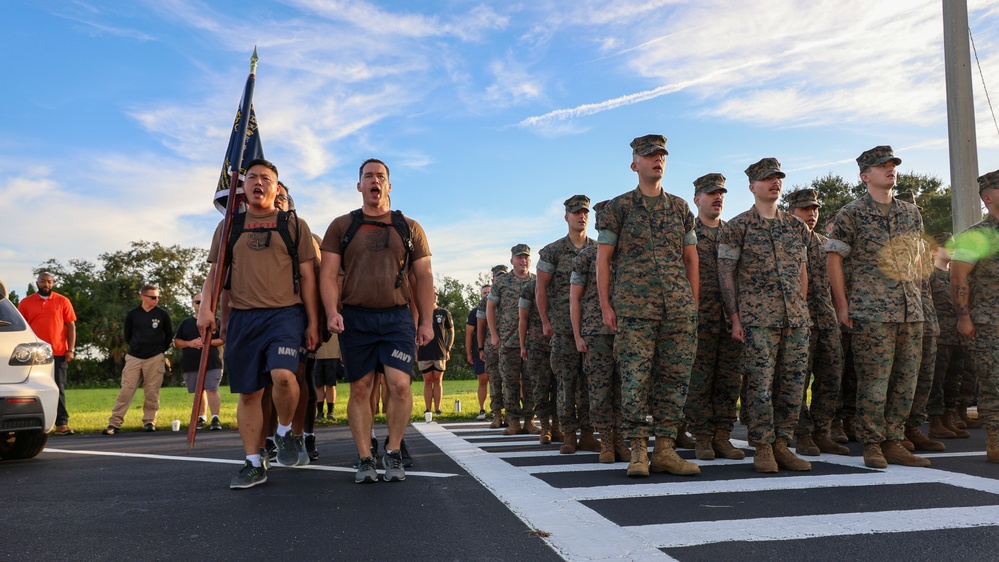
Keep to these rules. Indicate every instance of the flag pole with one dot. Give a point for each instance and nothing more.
(220, 269)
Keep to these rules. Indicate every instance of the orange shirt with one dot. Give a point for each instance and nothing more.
(48, 318)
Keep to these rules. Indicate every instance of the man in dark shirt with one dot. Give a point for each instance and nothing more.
(148, 332)
(432, 358)
(188, 341)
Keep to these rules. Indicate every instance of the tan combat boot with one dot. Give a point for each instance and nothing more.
(703, 448)
(922, 442)
(684, 441)
(621, 451)
(569, 444)
(969, 422)
(895, 453)
(836, 432)
(825, 444)
(665, 459)
(606, 448)
(786, 459)
(992, 445)
(545, 437)
(557, 434)
(588, 442)
(850, 428)
(805, 446)
(529, 426)
(939, 430)
(949, 418)
(724, 448)
(497, 419)
(763, 460)
(873, 457)
(639, 465)
(513, 426)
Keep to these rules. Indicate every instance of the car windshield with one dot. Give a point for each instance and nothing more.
(10, 318)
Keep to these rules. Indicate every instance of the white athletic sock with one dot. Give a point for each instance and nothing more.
(254, 459)
(283, 430)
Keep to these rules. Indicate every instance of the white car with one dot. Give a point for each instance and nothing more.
(28, 392)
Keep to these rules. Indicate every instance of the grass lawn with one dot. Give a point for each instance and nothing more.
(90, 408)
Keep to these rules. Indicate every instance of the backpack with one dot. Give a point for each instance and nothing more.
(400, 225)
(284, 230)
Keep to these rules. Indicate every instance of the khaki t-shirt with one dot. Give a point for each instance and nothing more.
(261, 266)
(373, 260)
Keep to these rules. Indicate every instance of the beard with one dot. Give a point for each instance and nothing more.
(44, 292)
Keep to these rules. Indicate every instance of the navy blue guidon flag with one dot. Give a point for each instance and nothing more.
(252, 149)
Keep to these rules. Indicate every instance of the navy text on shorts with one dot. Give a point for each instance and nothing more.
(377, 336)
(259, 341)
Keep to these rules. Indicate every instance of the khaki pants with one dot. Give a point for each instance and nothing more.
(151, 372)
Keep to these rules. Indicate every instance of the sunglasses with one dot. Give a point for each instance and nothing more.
(197, 302)
(153, 297)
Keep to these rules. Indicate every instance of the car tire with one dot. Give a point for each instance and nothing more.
(23, 445)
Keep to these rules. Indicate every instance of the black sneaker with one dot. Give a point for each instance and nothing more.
(111, 430)
(201, 422)
(374, 446)
(407, 461)
(310, 447)
(357, 462)
(366, 472)
(271, 447)
(481, 416)
(392, 463)
(264, 460)
(303, 455)
(287, 451)
(149, 427)
(248, 477)
(216, 424)
(437, 412)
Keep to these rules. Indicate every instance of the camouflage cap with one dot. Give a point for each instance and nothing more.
(710, 183)
(600, 221)
(988, 181)
(802, 199)
(499, 269)
(643, 146)
(576, 202)
(908, 197)
(520, 250)
(877, 156)
(764, 169)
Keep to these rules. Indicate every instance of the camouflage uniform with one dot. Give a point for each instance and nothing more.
(505, 294)
(604, 382)
(774, 316)
(715, 377)
(979, 246)
(556, 259)
(952, 360)
(928, 358)
(539, 366)
(825, 351)
(885, 305)
(492, 363)
(654, 304)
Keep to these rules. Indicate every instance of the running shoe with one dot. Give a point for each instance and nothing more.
(264, 460)
(392, 463)
(303, 455)
(149, 427)
(111, 430)
(216, 424)
(201, 422)
(366, 472)
(271, 447)
(310, 447)
(287, 451)
(248, 477)
(481, 416)
(407, 461)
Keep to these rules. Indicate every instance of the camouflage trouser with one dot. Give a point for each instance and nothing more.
(775, 363)
(848, 384)
(495, 379)
(924, 383)
(604, 383)
(573, 394)
(715, 380)
(518, 386)
(886, 356)
(539, 366)
(985, 355)
(654, 358)
(825, 363)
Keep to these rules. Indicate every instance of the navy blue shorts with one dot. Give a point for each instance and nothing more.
(375, 337)
(478, 365)
(259, 341)
(327, 371)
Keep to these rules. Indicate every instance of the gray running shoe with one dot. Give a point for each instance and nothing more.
(392, 463)
(366, 471)
(216, 424)
(248, 477)
(310, 447)
(303, 455)
(287, 451)
(264, 460)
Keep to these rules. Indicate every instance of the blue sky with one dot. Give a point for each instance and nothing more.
(490, 114)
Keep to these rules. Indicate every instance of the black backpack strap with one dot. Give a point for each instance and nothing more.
(284, 229)
(235, 231)
(402, 227)
(356, 220)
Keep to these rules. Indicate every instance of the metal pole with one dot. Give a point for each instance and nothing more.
(965, 203)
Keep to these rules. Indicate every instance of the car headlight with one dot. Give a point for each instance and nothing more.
(31, 354)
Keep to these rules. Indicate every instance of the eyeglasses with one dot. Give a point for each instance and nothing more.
(197, 302)
(281, 199)
(153, 297)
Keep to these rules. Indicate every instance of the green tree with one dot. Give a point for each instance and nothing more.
(457, 298)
